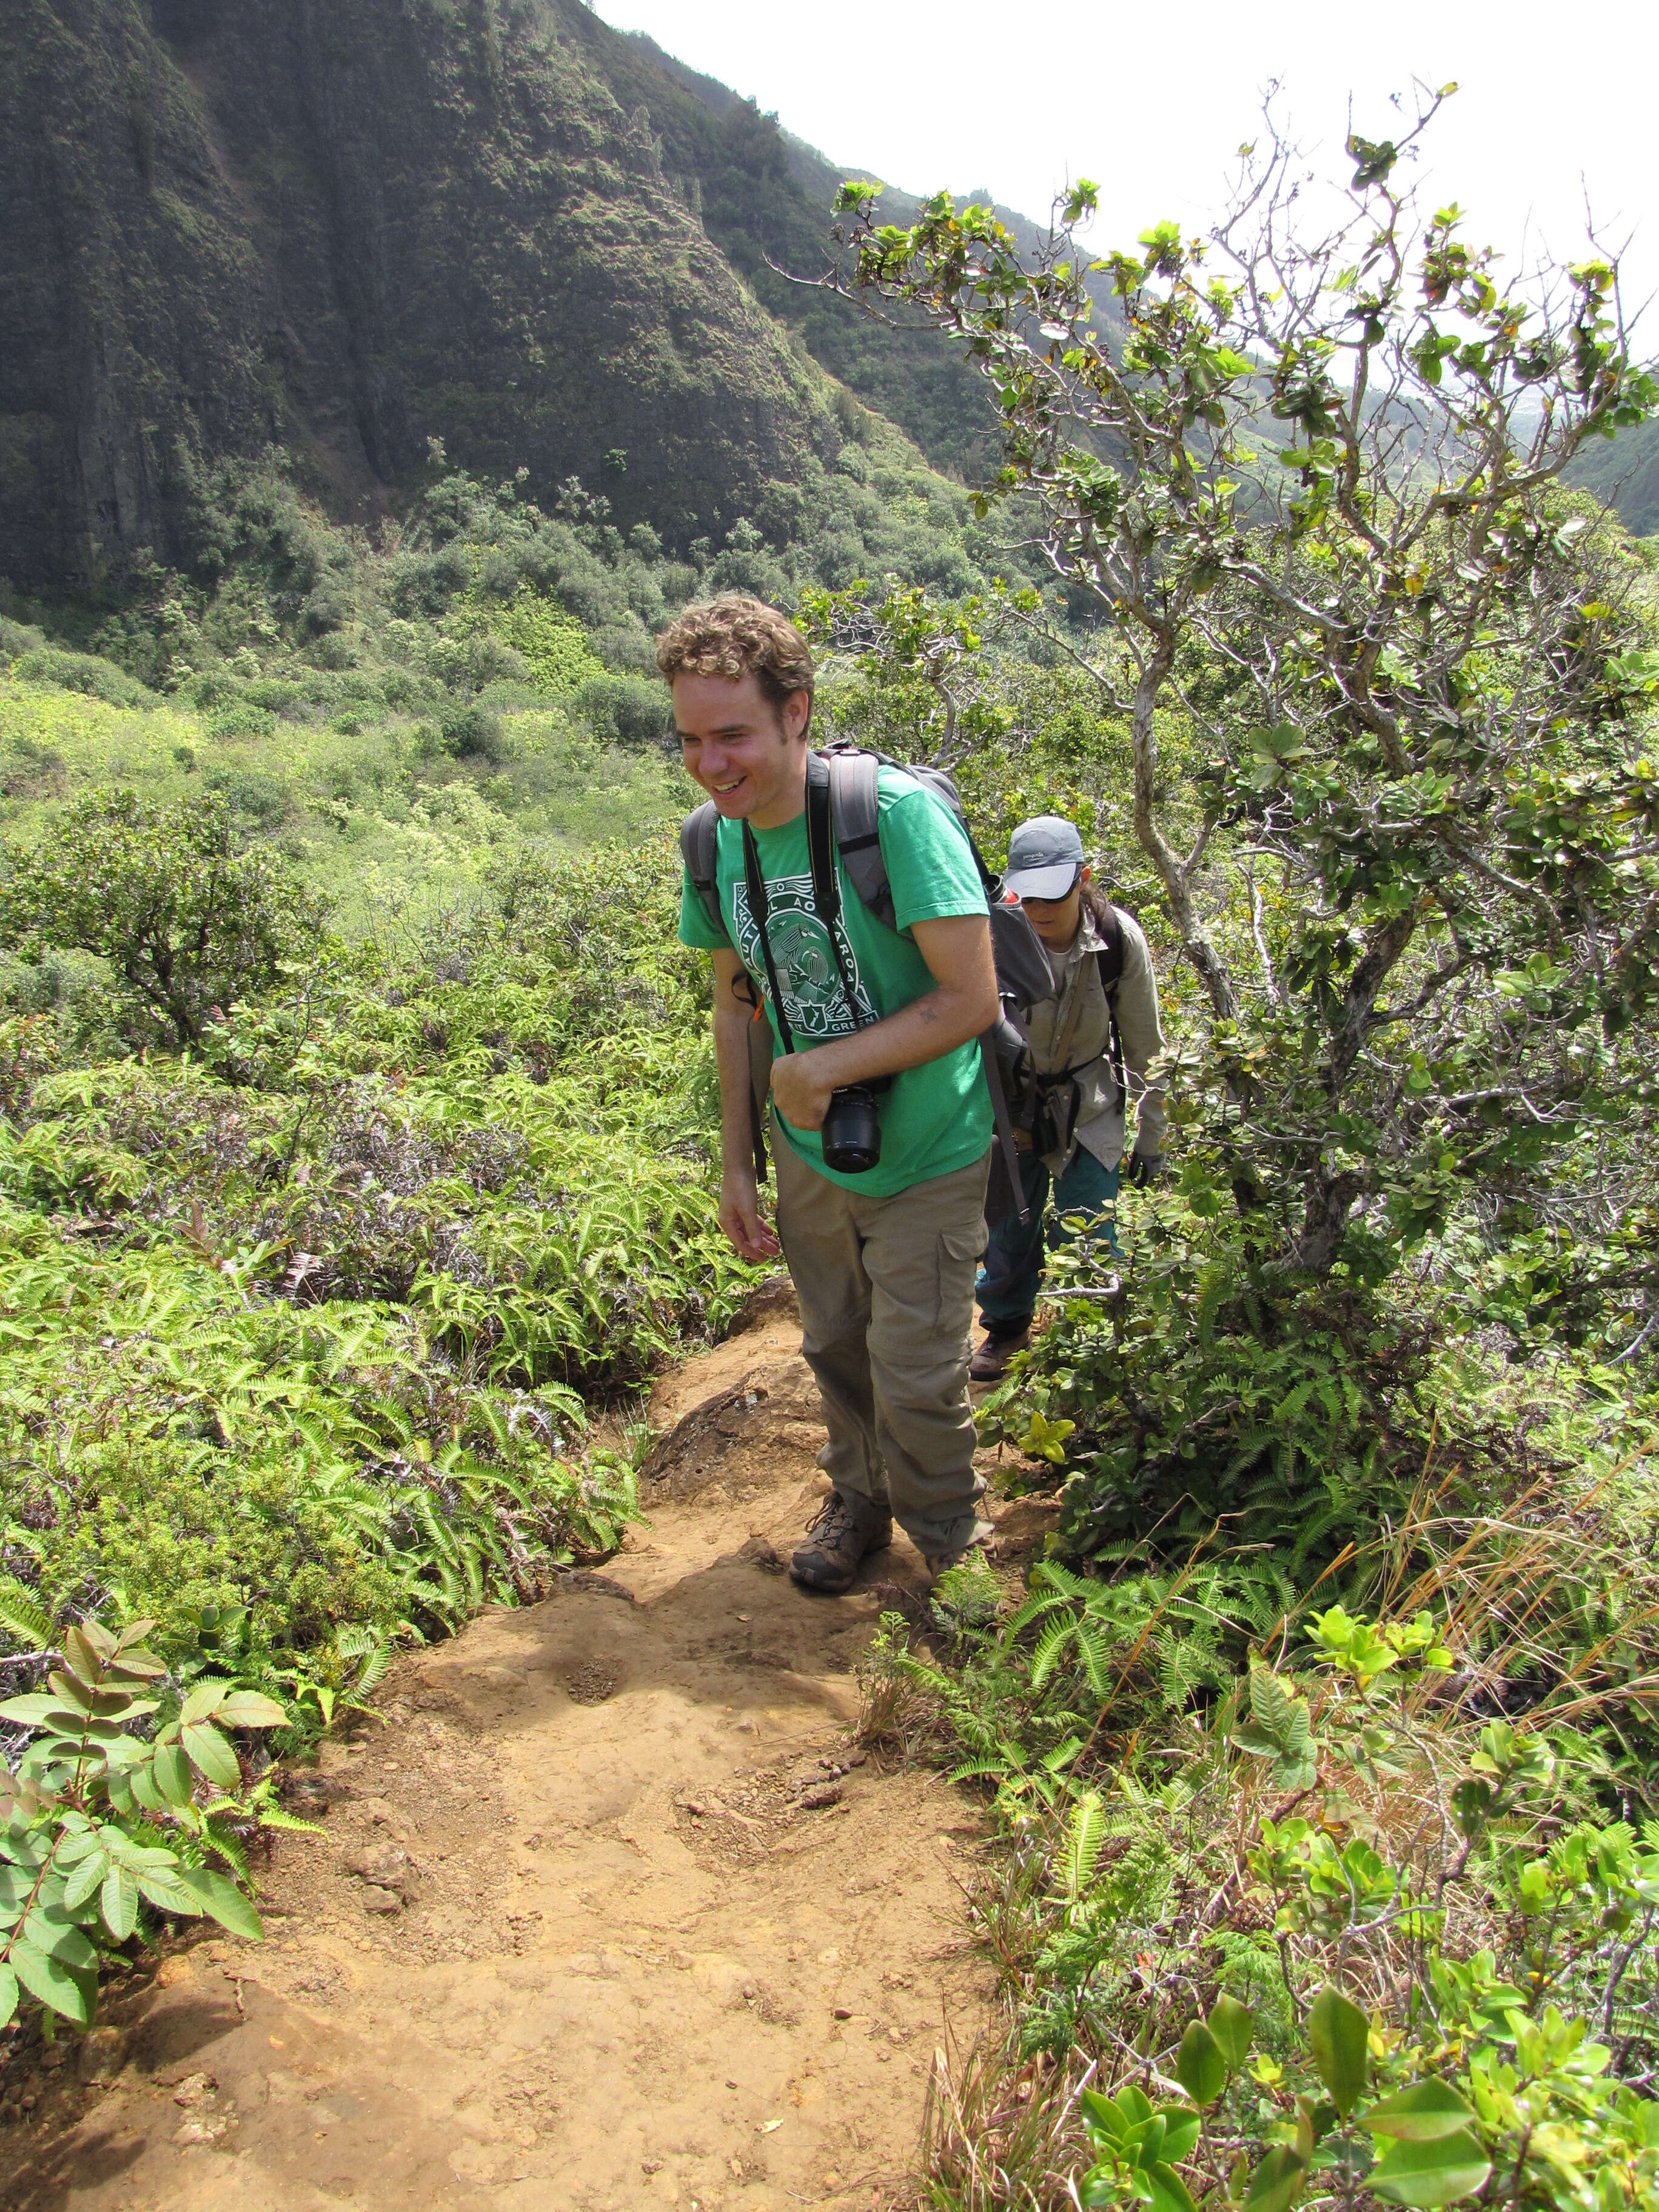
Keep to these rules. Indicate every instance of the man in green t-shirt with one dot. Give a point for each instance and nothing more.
(884, 1261)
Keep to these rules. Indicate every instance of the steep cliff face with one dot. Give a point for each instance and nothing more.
(132, 344)
(350, 228)
(766, 201)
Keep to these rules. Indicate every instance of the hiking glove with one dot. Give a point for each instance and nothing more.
(1142, 1168)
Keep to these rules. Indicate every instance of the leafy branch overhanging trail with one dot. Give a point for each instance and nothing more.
(1312, 502)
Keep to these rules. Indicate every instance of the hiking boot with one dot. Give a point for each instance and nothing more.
(991, 1358)
(844, 1528)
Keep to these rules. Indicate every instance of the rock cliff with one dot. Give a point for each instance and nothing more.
(349, 228)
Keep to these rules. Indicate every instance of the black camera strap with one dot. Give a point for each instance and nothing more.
(826, 894)
(755, 883)
(826, 876)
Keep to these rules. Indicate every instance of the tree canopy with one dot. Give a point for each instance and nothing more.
(1311, 511)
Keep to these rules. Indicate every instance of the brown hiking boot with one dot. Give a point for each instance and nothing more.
(990, 1360)
(844, 1528)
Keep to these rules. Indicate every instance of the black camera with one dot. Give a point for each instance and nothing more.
(852, 1129)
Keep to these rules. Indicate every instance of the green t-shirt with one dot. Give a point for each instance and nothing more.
(936, 1117)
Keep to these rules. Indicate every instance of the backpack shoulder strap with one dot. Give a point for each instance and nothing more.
(1109, 958)
(820, 844)
(699, 832)
(855, 807)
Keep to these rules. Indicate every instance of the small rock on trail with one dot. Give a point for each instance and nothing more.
(612, 1915)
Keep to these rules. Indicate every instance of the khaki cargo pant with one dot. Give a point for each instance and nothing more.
(886, 1290)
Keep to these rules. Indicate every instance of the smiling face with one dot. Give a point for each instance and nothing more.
(748, 754)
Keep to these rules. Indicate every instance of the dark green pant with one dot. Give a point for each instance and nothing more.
(1012, 1273)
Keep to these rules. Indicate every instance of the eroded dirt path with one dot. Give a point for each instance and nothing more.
(606, 1919)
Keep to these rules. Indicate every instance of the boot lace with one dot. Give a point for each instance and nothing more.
(839, 1515)
(832, 1517)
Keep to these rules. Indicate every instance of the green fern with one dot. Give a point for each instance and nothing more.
(24, 1616)
(1085, 1837)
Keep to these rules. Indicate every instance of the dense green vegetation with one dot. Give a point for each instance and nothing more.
(323, 1330)
(353, 1162)
(1321, 1747)
(355, 1116)
(355, 1159)
(1321, 1743)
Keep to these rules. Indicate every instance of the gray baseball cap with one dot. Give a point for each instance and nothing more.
(1044, 855)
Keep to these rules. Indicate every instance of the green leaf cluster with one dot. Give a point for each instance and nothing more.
(101, 1822)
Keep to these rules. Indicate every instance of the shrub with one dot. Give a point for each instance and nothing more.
(99, 1825)
(187, 917)
(240, 718)
(472, 733)
(252, 795)
(552, 644)
(630, 710)
(81, 671)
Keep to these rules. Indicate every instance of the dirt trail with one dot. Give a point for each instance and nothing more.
(598, 1924)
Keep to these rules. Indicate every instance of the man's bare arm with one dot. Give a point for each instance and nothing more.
(739, 1211)
(958, 951)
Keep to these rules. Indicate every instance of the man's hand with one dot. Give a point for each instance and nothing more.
(1143, 1167)
(740, 1218)
(958, 951)
(801, 1092)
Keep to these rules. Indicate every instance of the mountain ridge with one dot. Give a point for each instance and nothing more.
(348, 232)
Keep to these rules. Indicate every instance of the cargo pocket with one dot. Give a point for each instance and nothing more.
(958, 1256)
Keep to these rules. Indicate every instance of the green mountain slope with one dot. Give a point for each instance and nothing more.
(350, 230)
(1626, 471)
(765, 198)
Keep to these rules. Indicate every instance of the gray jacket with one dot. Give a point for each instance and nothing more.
(1074, 1030)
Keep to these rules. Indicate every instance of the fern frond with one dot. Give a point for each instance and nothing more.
(272, 1816)
(23, 1615)
(1050, 1645)
(979, 1770)
(1096, 1656)
(1084, 1839)
(230, 1850)
(1068, 1583)
(1033, 1609)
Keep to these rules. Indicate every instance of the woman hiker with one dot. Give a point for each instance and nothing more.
(1090, 1045)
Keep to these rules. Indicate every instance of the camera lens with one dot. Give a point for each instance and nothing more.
(851, 1130)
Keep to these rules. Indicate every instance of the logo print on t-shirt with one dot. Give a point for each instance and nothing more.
(814, 1004)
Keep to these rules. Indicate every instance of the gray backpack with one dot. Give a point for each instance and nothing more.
(843, 816)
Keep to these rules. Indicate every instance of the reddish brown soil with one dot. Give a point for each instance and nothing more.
(596, 1922)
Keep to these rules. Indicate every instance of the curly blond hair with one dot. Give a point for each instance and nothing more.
(736, 635)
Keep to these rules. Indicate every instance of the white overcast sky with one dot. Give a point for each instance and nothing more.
(1152, 102)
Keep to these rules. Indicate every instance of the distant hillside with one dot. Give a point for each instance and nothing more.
(765, 198)
(1626, 470)
(347, 231)
(927, 388)
(235, 223)
(231, 224)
